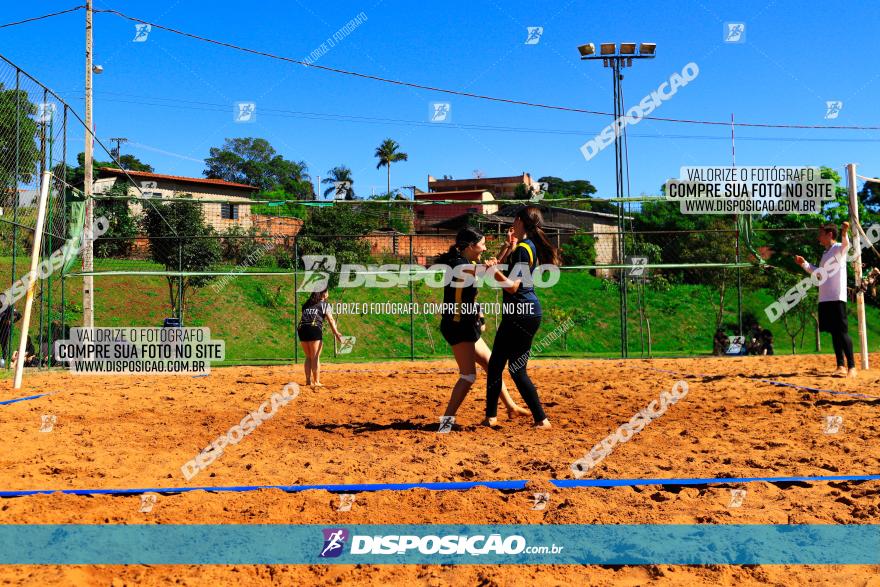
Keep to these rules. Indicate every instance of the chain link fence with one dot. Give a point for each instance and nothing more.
(642, 291)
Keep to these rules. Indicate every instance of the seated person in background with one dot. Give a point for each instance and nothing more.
(766, 342)
(719, 344)
(754, 344)
(30, 359)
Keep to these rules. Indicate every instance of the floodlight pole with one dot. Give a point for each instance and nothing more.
(616, 62)
(88, 242)
(621, 219)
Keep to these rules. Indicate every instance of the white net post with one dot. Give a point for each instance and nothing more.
(857, 263)
(33, 277)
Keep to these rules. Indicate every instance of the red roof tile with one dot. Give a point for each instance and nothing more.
(179, 178)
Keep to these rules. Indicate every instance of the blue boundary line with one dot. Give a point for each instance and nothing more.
(452, 486)
(445, 486)
(22, 399)
(776, 383)
(705, 481)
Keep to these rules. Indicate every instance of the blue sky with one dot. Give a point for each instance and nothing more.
(172, 97)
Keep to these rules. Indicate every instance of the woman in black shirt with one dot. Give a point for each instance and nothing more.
(521, 315)
(461, 323)
(311, 331)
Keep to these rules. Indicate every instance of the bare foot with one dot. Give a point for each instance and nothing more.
(545, 425)
(840, 372)
(491, 422)
(319, 385)
(517, 411)
(852, 373)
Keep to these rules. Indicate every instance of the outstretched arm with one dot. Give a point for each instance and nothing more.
(333, 327)
(807, 266)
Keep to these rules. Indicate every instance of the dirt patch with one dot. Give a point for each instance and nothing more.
(376, 423)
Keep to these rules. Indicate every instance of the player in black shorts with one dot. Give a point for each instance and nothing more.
(521, 315)
(311, 331)
(461, 324)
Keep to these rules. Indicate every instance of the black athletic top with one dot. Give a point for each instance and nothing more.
(314, 315)
(524, 301)
(459, 305)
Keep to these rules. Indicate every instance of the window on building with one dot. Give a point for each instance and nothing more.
(229, 211)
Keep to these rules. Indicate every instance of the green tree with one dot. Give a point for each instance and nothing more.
(320, 234)
(339, 173)
(255, 162)
(15, 112)
(869, 195)
(178, 232)
(119, 238)
(580, 249)
(240, 245)
(560, 188)
(387, 153)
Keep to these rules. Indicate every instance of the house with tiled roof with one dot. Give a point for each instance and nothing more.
(224, 206)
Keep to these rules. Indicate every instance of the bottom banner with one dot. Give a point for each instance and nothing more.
(699, 544)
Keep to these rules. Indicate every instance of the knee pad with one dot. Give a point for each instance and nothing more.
(469, 378)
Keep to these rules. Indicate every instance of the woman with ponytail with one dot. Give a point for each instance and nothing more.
(527, 247)
(315, 311)
(461, 323)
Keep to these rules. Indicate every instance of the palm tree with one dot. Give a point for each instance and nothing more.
(387, 154)
(339, 173)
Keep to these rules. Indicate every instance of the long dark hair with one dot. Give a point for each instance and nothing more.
(315, 298)
(466, 237)
(533, 221)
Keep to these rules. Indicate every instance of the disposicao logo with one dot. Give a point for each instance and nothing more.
(334, 542)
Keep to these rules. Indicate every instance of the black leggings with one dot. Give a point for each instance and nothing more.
(843, 346)
(513, 344)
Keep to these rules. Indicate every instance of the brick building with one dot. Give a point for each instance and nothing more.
(503, 188)
(225, 208)
(427, 216)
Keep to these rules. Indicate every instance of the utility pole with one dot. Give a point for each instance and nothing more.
(88, 249)
(117, 152)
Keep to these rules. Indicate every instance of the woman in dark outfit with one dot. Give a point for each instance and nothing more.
(461, 324)
(521, 313)
(311, 331)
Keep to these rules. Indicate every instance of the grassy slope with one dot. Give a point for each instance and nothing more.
(255, 316)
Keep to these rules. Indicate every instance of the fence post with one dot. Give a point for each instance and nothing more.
(65, 232)
(412, 332)
(179, 281)
(739, 293)
(17, 152)
(295, 300)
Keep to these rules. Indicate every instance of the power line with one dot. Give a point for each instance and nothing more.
(467, 94)
(75, 8)
(281, 113)
(437, 89)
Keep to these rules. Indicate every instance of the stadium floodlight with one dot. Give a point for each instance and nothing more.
(587, 50)
(618, 60)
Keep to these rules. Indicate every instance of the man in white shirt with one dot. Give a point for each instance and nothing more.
(832, 294)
